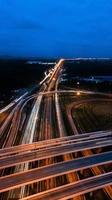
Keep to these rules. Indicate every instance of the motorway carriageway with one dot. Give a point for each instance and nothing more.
(72, 190)
(35, 175)
(56, 141)
(54, 151)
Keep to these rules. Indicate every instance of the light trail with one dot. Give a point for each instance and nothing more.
(63, 146)
(73, 190)
(35, 175)
(57, 141)
(53, 151)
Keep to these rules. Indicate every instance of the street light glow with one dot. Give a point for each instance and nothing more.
(78, 93)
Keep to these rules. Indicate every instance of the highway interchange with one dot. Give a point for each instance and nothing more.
(38, 158)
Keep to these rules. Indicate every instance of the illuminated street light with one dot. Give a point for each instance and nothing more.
(78, 93)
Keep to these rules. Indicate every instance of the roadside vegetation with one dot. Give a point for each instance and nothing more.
(93, 116)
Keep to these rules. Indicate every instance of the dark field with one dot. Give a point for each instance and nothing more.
(87, 68)
(15, 74)
(18, 74)
(94, 116)
(84, 70)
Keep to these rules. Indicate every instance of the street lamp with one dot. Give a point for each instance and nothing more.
(78, 93)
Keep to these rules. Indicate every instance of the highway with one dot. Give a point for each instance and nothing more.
(74, 189)
(71, 177)
(56, 141)
(35, 175)
(33, 120)
(53, 151)
(14, 119)
(36, 147)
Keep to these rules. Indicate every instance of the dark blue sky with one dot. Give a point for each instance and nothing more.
(64, 28)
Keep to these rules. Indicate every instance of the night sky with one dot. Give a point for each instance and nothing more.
(56, 28)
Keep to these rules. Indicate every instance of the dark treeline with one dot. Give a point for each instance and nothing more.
(89, 68)
(15, 74)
